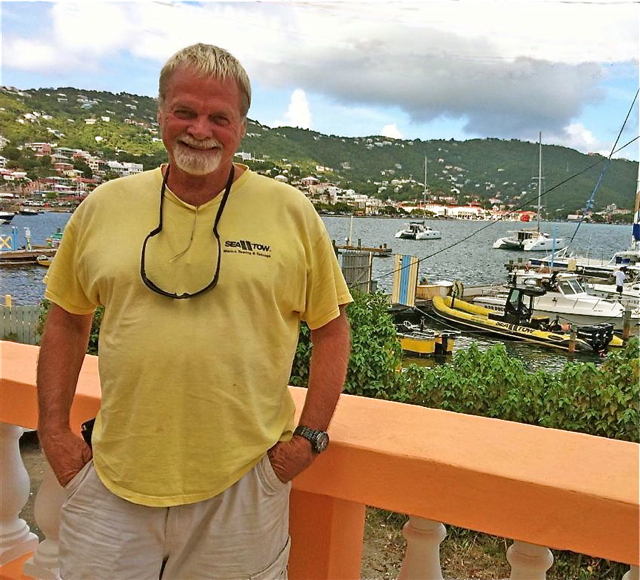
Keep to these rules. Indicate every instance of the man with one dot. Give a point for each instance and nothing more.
(205, 270)
(620, 277)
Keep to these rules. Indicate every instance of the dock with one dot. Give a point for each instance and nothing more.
(24, 257)
(380, 251)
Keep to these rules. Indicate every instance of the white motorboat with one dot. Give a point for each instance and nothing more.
(532, 239)
(529, 240)
(543, 242)
(565, 299)
(6, 217)
(630, 297)
(417, 230)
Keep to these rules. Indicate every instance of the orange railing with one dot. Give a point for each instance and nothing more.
(540, 487)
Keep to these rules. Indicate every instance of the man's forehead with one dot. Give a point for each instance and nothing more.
(190, 86)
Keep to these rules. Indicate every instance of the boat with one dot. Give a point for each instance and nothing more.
(44, 260)
(28, 211)
(417, 230)
(599, 268)
(630, 297)
(532, 239)
(517, 322)
(588, 266)
(6, 217)
(519, 238)
(417, 341)
(561, 297)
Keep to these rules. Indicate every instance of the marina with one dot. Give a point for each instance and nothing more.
(462, 254)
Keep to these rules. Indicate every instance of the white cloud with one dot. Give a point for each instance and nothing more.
(298, 114)
(391, 131)
(500, 68)
(577, 136)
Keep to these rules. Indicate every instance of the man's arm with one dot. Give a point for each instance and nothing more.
(328, 369)
(64, 344)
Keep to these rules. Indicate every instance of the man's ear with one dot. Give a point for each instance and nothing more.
(159, 115)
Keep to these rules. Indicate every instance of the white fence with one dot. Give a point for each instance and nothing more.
(19, 323)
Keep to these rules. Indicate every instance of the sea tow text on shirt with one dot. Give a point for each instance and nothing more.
(247, 247)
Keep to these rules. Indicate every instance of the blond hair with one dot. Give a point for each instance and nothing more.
(209, 61)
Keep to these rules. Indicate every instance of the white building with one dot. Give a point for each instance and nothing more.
(467, 212)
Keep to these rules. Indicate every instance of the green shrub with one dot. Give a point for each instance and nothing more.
(375, 349)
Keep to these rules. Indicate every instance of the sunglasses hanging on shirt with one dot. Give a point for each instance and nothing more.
(143, 273)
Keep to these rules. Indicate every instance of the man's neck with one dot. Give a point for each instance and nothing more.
(199, 189)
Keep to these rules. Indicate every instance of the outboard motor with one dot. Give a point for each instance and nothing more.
(598, 336)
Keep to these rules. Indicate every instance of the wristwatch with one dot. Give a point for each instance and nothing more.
(319, 439)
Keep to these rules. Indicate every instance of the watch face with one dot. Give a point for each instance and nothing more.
(321, 442)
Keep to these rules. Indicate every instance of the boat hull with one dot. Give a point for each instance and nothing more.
(478, 317)
(425, 347)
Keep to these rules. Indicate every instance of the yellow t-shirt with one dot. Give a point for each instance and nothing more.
(194, 391)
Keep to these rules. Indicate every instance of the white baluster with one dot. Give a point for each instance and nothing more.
(632, 574)
(15, 537)
(529, 562)
(422, 558)
(43, 565)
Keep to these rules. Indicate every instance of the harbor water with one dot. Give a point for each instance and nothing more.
(463, 253)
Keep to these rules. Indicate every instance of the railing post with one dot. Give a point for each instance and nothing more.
(44, 565)
(422, 558)
(528, 562)
(16, 538)
(326, 537)
(632, 574)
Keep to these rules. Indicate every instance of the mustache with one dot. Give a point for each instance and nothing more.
(199, 144)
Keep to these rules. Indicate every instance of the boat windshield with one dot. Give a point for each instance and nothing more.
(570, 287)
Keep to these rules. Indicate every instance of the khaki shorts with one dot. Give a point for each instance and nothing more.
(240, 534)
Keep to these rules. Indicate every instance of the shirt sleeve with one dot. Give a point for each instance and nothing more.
(326, 286)
(63, 284)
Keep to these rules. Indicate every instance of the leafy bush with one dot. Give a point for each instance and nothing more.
(375, 349)
(602, 400)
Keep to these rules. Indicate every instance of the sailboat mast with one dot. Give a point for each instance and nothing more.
(424, 194)
(539, 176)
(635, 232)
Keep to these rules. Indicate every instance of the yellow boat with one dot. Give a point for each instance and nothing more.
(44, 260)
(517, 323)
(419, 342)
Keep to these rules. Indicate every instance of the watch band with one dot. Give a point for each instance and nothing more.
(319, 439)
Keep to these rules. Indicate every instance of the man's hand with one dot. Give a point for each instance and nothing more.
(67, 454)
(290, 458)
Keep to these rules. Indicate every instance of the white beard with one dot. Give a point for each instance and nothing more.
(196, 162)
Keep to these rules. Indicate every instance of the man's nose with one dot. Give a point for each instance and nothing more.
(199, 128)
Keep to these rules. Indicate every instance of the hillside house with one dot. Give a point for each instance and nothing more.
(123, 169)
(63, 168)
(41, 149)
(309, 181)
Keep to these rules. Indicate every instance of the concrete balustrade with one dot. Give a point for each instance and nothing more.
(529, 562)
(539, 487)
(15, 537)
(422, 558)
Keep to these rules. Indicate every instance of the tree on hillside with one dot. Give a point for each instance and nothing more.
(81, 165)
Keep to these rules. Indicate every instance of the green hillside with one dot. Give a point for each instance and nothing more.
(123, 127)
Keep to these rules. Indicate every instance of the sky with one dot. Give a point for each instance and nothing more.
(436, 69)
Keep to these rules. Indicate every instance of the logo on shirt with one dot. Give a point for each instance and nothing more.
(247, 247)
